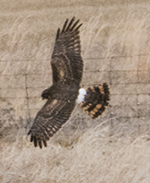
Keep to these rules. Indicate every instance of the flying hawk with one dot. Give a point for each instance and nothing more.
(67, 69)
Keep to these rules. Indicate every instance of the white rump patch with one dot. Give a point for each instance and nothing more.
(81, 96)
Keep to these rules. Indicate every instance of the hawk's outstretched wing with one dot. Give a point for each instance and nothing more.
(67, 67)
(67, 64)
(49, 120)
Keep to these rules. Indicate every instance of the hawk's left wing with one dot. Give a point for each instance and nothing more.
(67, 64)
(49, 120)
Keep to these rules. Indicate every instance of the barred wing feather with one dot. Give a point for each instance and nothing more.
(49, 120)
(67, 64)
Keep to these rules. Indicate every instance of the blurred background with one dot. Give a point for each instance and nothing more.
(115, 43)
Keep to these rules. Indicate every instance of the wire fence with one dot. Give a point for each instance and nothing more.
(21, 85)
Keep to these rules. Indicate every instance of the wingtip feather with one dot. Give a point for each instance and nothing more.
(70, 23)
(40, 144)
(45, 143)
(71, 26)
(64, 27)
(77, 28)
(35, 142)
(58, 33)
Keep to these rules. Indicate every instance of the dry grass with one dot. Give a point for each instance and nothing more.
(91, 154)
(96, 157)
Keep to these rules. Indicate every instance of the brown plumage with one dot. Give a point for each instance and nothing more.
(67, 69)
(96, 100)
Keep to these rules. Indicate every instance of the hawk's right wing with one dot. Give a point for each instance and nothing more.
(49, 120)
(67, 64)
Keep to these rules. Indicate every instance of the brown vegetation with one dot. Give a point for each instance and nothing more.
(115, 39)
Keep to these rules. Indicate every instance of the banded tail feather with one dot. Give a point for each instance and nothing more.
(94, 99)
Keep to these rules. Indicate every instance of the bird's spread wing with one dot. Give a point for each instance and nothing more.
(49, 120)
(66, 60)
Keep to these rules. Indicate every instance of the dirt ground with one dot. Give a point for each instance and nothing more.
(115, 43)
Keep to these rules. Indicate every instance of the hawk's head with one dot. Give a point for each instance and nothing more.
(46, 94)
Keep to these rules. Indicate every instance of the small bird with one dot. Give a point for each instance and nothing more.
(62, 96)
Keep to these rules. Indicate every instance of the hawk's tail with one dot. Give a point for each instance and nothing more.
(94, 99)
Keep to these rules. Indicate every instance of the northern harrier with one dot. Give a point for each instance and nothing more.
(67, 68)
